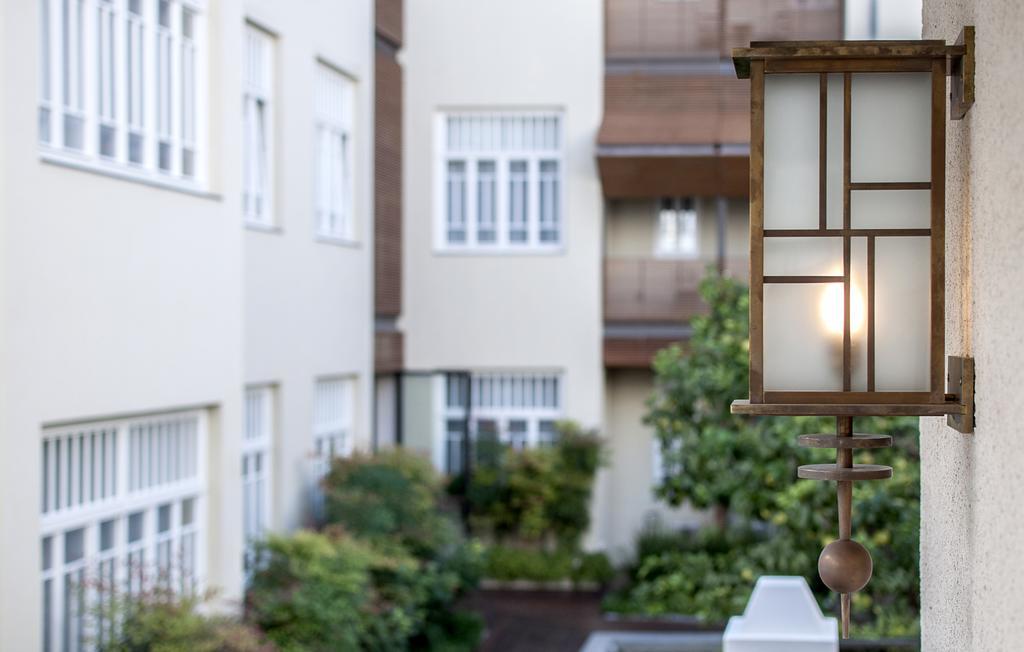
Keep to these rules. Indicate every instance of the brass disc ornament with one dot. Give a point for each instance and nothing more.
(845, 566)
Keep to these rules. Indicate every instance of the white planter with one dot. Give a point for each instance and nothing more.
(781, 616)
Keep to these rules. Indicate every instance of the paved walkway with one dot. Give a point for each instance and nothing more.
(548, 621)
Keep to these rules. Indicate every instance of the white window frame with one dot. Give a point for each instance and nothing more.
(109, 471)
(333, 418)
(257, 464)
(334, 402)
(531, 139)
(334, 145)
(502, 398)
(258, 129)
(677, 228)
(97, 96)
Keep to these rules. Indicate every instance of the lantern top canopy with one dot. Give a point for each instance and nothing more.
(861, 56)
(847, 223)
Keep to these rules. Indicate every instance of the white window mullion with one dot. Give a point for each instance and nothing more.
(502, 197)
(533, 202)
(470, 208)
(120, 79)
(89, 78)
(176, 88)
(72, 125)
(201, 98)
(187, 100)
(53, 89)
(150, 81)
(57, 588)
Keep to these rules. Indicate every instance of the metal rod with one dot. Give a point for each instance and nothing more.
(844, 494)
(844, 602)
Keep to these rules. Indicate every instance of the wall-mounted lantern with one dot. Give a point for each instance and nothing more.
(847, 258)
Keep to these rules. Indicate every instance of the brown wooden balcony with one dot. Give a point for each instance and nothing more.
(653, 290)
(648, 302)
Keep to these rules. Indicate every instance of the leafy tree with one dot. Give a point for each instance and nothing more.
(710, 454)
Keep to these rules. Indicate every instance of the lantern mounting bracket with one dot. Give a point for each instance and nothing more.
(960, 389)
(961, 72)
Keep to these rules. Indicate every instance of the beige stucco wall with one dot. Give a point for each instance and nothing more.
(972, 486)
(308, 302)
(624, 498)
(538, 311)
(118, 298)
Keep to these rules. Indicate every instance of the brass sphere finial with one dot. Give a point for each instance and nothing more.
(845, 566)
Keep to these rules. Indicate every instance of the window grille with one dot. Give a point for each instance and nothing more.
(514, 409)
(257, 461)
(334, 106)
(257, 127)
(332, 429)
(119, 514)
(678, 233)
(501, 181)
(121, 85)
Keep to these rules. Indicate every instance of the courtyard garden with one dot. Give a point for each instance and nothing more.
(402, 554)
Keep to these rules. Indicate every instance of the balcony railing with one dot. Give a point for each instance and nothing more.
(653, 290)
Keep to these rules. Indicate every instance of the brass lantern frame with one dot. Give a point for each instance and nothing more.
(848, 57)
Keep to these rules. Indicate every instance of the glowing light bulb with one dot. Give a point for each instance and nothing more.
(831, 308)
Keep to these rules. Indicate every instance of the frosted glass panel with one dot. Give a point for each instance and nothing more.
(890, 127)
(801, 353)
(902, 313)
(834, 153)
(890, 209)
(791, 151)
(803, 256)
(858, 314)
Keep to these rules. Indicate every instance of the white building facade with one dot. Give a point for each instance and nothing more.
(185, 295)
(502, 223)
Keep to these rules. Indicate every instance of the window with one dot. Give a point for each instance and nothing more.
(119, 513)
(120, 85)
(258, 128)
(677, 229)
(661, 468)
(513, 409)
(334, 122)
(501, 184)
(333, 403)
(257, 477)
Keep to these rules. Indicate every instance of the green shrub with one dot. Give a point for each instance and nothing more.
(539, 494)
(451, 631)
(312, 591)
(393, 502)
(160, 621)
(509, 564)
(593, 567)
(390, 498)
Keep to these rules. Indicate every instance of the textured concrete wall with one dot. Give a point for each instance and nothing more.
(973, 485)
